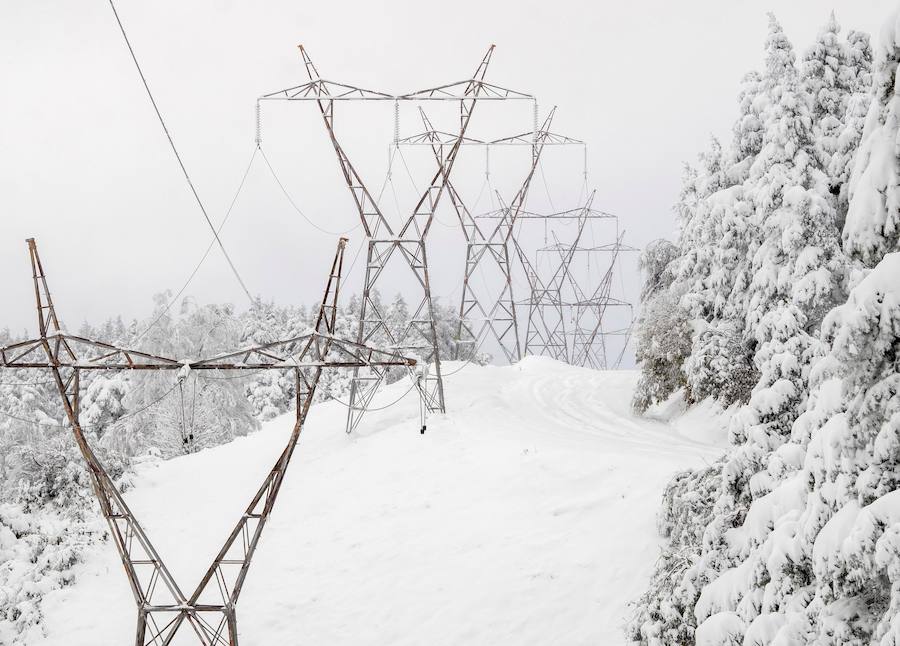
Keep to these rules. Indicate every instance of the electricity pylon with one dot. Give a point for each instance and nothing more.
(565, 320)
(406, 240)
(487, 247)
(162, 605)
(545, 332)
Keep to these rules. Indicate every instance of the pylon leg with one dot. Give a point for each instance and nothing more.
(419, 335)
(500, 320)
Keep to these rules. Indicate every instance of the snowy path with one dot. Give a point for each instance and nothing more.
(525, 516)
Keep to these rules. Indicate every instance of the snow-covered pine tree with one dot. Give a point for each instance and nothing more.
(697, 235)
(796, 274)
(831, 553)
(103, 400)
(821, 80)
(798, 269)
(658, 352)
(665, 612)
(270, 392)
(747, 130)
(855, 80)
(873, 217)
(662, 333)
(657, 263)
(720, 364)
(819, 553)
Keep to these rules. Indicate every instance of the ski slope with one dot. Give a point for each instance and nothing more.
(526, 515)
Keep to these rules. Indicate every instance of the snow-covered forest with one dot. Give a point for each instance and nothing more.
(780, 298)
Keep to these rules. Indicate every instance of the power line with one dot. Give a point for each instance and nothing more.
(205, 253)
(372, 410)
(177, 156)
(118, 421)
(244, 375)
(294, 204)
(26, 383)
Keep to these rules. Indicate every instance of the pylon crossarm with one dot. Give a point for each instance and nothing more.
(70, 351)
(572, 214)
(521, 139)
(528, 139)
(255, 358)
(606, 301)
(336, 91)
(439, 137)
(319, 88)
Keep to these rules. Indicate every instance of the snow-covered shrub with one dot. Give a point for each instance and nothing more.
(665, 612)
(656, 263)
(660, 353)
(662, 342)
(54, 474)
(38, 551)
(720, 365)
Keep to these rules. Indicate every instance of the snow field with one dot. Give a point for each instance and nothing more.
(526, 515)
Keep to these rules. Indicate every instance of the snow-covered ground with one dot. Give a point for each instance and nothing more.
(526, 515)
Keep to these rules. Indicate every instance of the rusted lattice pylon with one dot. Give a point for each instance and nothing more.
(162, 606)
(407, 240)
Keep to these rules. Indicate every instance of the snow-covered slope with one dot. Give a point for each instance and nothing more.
(526, 515)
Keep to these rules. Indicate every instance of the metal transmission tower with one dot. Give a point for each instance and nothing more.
(162, 606)
(407, 240)
(487, 247)
(589, 333)
(545, 333)
(566, 321)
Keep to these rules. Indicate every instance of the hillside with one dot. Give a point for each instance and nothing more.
(526, 515)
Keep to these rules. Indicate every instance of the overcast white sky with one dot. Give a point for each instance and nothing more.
(85, 168)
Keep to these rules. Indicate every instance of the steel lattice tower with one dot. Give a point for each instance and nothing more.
(162, 605)
(487, 244)
(407, 240)
(565, 320)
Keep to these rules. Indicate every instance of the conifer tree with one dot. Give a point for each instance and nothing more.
(855, 79)
(873, 217)
(821, 80)
(797, 270)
